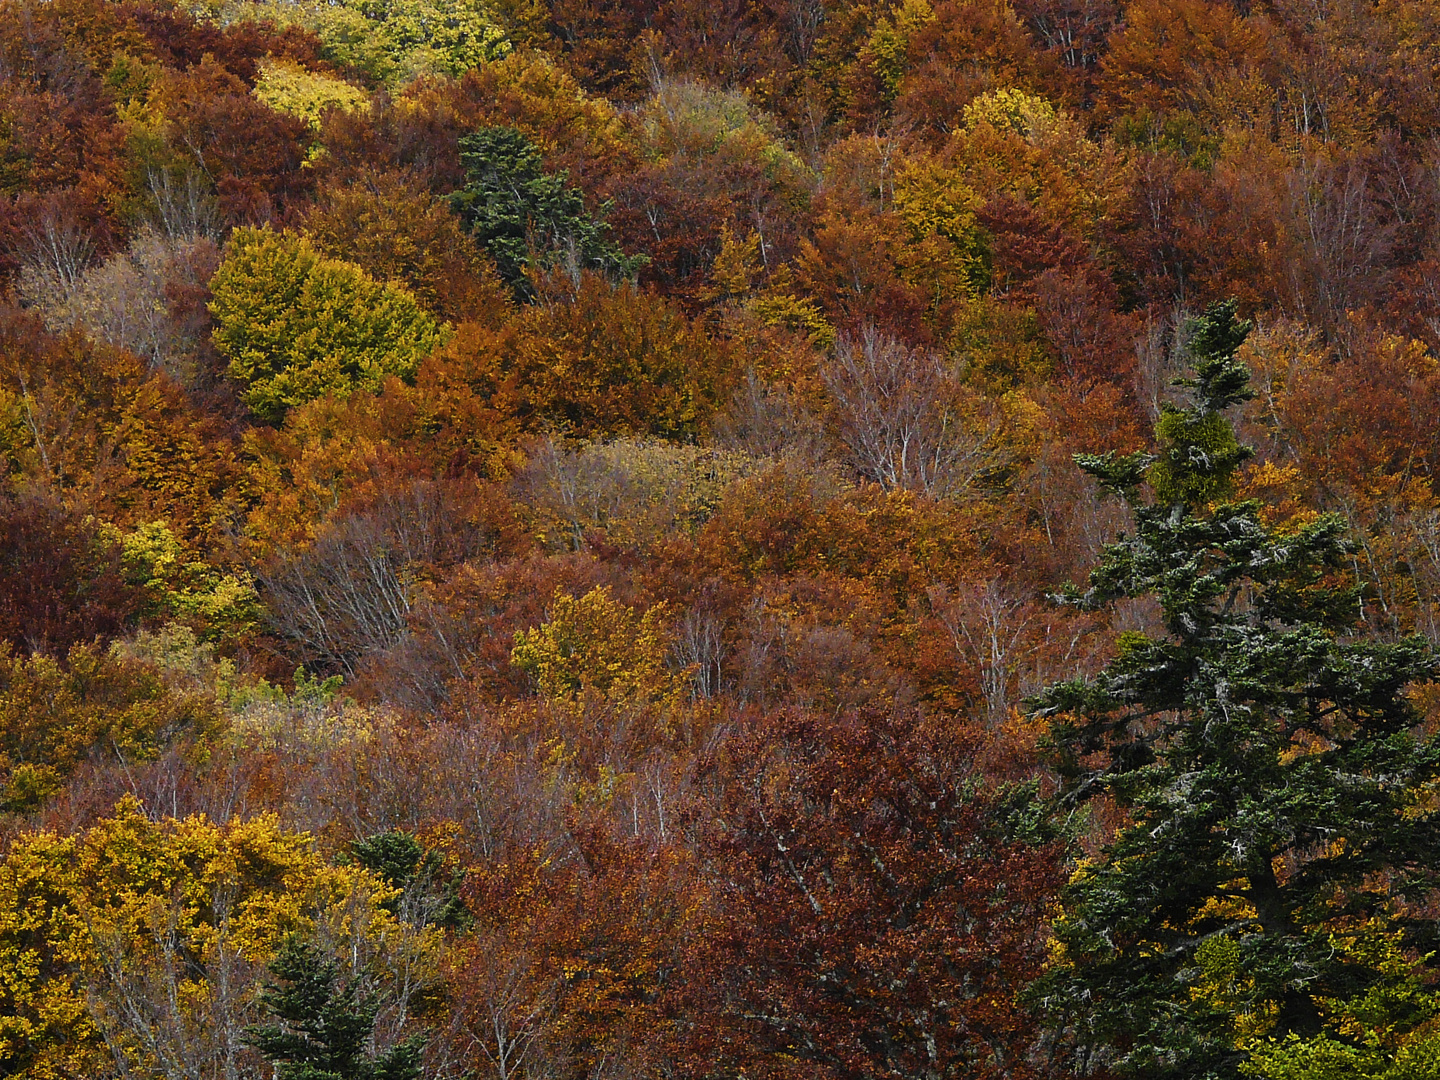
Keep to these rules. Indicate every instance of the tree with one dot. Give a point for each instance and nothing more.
(253, 154)
(289, 88)
(395, 41)
(53, 714)
(296, 325)
(323, 1026)
(909, 423)
(517, 211)
(1274, 828)
(132, 948)
(595, 645)
(570, 956)
(395, 230)
(60, 581)
(614, 360)
(877, 909)
(425, 896)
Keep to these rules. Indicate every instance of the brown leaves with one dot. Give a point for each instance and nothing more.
(604, 360)
(871, 917)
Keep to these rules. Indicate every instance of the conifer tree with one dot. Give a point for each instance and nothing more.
(322, 1027)
(1273, 792)
(517, 210)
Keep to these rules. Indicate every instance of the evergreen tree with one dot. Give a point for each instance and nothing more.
(1274, 796)
(518, 211)
(322, 1028)
(428, 896)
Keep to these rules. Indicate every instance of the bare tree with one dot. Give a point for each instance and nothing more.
(1015, 643)
(54, 248)
(346, 596)
(507, 1000)
(1073, 29)
(989, 626)
(632, 488)
(146, 1002)
(127, 301)
(351, 593)
(1343, 240)
(184, 209)
(907, 421)
(700, 647)
(765, 420)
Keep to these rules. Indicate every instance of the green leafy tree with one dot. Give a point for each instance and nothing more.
(1275, 801)
(322, 1026)
(522, 214)
(296, 325)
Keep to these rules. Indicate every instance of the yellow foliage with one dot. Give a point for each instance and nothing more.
(137, 922)
(889, 42)
(778, 305)
(53, 712)
(737, 265)
(1275, 353)
(393, 41)
(288, 88)
(1017, 143)
(181, 588)
(596, 645)
(934, 201)
(1012, 109)
(528, 91)
(296, 325)
(1223, 985)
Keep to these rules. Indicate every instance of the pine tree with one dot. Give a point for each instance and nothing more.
(322, 1027)
(1273, 791)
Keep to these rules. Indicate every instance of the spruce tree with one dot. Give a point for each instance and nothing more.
(428, 895)
(322, 1027)
(1273, 792)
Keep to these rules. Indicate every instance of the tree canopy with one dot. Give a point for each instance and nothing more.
(539, 539)
(295, 324)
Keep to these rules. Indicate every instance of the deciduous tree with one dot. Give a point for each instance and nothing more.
(296, 325)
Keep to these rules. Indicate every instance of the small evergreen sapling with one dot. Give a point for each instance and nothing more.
(1275, 798)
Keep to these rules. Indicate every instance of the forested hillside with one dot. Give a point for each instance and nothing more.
(600, 539)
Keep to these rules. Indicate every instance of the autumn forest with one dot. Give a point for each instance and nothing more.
(717, 539)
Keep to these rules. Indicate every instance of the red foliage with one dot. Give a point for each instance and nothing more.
(872, 917)
(60, 584)
(254, 154)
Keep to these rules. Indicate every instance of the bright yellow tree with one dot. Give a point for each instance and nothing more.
(135, 948)
(296, 325)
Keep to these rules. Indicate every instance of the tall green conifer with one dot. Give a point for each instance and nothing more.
(1275, 798)
(520, 214)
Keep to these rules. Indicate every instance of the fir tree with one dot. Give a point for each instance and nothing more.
(1273, 791)
(428, 895)
(517, 211)
(322, 1027)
